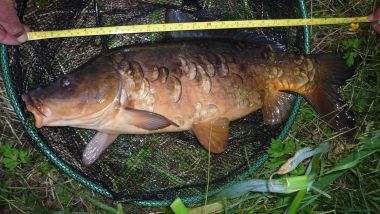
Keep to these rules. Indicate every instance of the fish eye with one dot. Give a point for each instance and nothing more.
(65, 82)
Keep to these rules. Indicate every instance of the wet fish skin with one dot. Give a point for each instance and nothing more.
(199, 85)
(81, 94)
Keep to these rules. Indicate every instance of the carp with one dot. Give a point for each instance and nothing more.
(191, 85)
(196, 84)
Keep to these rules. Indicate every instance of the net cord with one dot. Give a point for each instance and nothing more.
(34, 134)
(61, 165)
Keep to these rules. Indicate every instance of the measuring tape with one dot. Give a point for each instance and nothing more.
(212, 25)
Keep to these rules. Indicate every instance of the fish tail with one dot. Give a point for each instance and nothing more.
(325, 96)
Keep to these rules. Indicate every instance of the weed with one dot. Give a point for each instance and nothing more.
(12, 157)
(280, 152)
(351, 47)
(45, 3)
(45, 168)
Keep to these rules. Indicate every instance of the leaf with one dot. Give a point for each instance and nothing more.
(42, 3)
(289, 148)
(216, 207)
(276, 145)
(350, 58)
(275, 154)
(8, 151)
(274, 164)
(10, 163)
(356, 43)
(369, 146)
(276, 149)
(45, 167)
(300, 170)
(344, 166)
(23, 155)
(179, 207)
(296, 201)
(120, 208)
(346, 44)
(284, 185)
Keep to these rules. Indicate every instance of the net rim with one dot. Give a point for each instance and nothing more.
(61, 165)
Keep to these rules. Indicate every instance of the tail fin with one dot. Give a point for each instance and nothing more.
(325, 98)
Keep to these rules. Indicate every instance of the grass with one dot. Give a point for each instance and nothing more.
(29, 184)
(355, 191)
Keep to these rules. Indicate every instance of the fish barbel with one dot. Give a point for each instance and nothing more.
(198, 85)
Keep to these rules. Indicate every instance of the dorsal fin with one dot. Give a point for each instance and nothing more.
(245, 35)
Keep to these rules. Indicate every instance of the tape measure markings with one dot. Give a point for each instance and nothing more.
(212, 25)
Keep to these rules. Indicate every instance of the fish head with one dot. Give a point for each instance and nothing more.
(74, 97)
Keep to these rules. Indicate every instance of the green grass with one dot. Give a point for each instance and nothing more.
(356, 191)
(29, 184)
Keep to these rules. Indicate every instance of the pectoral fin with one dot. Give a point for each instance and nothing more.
(213, 134)
(99, 143)
(147, 120)
(277, 107)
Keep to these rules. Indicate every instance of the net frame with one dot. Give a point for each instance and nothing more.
(61, 165)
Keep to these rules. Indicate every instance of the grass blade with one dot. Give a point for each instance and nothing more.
(296, 201)
(369, 146)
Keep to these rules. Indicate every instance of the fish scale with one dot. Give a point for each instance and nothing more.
(201, 67)
(198, 85)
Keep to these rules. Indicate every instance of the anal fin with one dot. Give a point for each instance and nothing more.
(213, 134)
(98, 144)
(277, 107)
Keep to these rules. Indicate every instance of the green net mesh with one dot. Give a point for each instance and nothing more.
(149, 170)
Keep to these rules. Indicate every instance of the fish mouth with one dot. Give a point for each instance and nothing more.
(35, 106)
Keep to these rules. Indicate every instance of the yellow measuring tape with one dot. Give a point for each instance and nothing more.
(212, 25)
